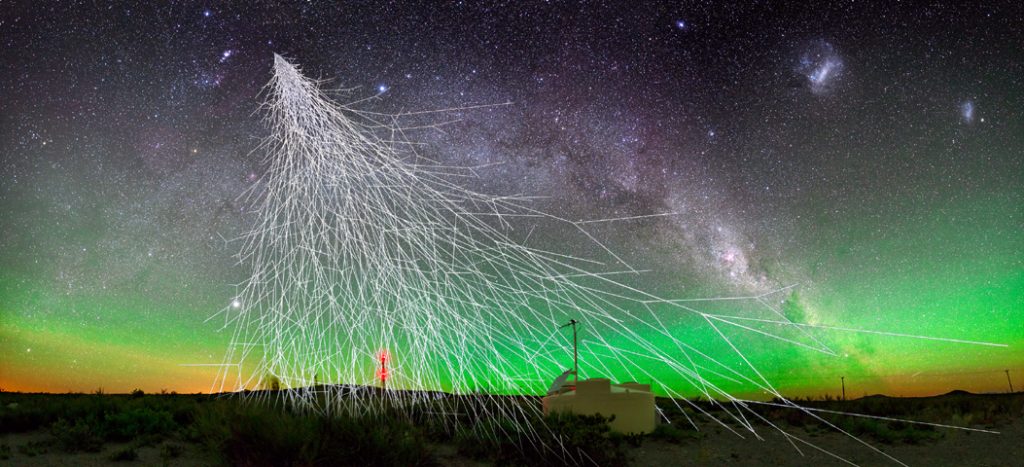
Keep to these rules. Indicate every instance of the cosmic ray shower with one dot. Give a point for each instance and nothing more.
(476, 227)
(365, 253)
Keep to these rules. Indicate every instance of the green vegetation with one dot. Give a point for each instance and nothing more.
(956, 409)
(249, 434)
(580, 439)
(76, 436)
(33, 448)
(126, 454)
(236, 432)
(171, 451)
(888, 432)
(671, 433)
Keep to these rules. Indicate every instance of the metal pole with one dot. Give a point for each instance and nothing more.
(575, 356)
(843, 380)
(1008, 380)
(575, 351)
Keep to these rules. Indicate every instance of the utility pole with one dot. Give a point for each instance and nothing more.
(575, 353)
(1008, 380)
(842, 379)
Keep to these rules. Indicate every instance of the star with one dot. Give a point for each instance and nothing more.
(767, 122)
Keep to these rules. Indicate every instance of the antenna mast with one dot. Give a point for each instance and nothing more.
(575, 352)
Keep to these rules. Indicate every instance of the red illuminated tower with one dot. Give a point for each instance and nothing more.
(382, 371)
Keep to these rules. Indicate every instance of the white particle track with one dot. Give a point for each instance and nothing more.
(359, 244)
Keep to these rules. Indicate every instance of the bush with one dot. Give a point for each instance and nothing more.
(171, 451)
(632, 439)
(33, 448)
(670, 433)
(126, 454)
(569, 437)
(889, 432)
(254, 435)
(127, 425)
(586, 435)
(77, 436)
(19, 419)
(492, 440)
(387, 439)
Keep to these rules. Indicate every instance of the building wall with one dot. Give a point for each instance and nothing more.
(632, 407)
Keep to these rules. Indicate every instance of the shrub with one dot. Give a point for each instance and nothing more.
(633, 439)
(127, 454)
(572, 438)
(79, 436)
(383, 439)
(171, 451)
(127, 425)
(795, 417)
(19, 418)
(889, 432)
(586, 435)
(254, 435)
(33, 448)
(670, 433)
(499, 441)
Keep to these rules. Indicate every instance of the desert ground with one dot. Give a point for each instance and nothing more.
(201, 430)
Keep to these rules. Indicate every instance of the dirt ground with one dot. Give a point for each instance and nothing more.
(716, 446)
(721, 447)
(24, 454)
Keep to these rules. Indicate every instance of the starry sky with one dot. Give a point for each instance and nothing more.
(872, 155)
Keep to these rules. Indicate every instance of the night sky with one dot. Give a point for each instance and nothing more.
(872, 155)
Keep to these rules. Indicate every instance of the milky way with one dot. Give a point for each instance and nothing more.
(871, 155)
